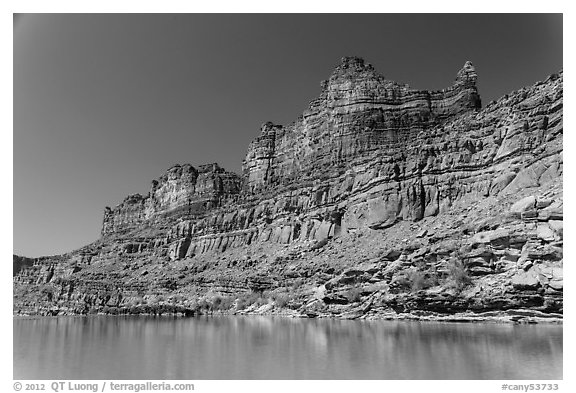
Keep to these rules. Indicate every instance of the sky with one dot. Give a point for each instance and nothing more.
(105, 103)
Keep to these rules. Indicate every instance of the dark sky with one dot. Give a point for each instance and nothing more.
(105, 103)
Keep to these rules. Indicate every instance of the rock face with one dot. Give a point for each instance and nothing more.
(183, 191)
(383, 199)
(358, 113)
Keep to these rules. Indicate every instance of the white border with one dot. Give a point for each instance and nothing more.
(294, 6)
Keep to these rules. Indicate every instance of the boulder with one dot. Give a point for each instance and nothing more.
(557, 227)
(525, 280)
(544, 232)
(524, 204)
(497, 238)
(542, 203)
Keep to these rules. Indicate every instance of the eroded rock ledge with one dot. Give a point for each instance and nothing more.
(379, 201)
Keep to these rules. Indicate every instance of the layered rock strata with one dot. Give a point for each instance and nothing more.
(358, 112)
(183, 191)
(431, 183)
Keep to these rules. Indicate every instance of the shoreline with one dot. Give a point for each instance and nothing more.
(514, 317)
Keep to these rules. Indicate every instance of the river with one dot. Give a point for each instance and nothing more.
(235, 347)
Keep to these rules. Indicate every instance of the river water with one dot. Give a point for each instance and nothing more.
(148, 348)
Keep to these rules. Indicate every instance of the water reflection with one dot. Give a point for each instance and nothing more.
(280, 348)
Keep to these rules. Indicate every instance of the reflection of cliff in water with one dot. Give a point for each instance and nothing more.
(281, 348)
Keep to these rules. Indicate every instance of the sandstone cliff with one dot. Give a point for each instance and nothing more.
(379, 201)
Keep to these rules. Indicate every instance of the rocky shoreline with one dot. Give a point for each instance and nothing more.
(515, 317)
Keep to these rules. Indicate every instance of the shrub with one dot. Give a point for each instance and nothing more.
(226, 303)
(220, 303)
(249, 299)
(297, 283)
(417, 280)
(240, 304)
(216, 301)
(48, 290)
(203, 305)
(281, 299)
(401, 281)
(353, 294)
(421, 280)
(458, 277)
(176, 299)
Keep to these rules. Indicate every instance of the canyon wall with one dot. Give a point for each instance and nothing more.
(431, 175)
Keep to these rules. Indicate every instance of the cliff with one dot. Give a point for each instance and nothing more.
(379, 201)
(183, 191)
(358, 113)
